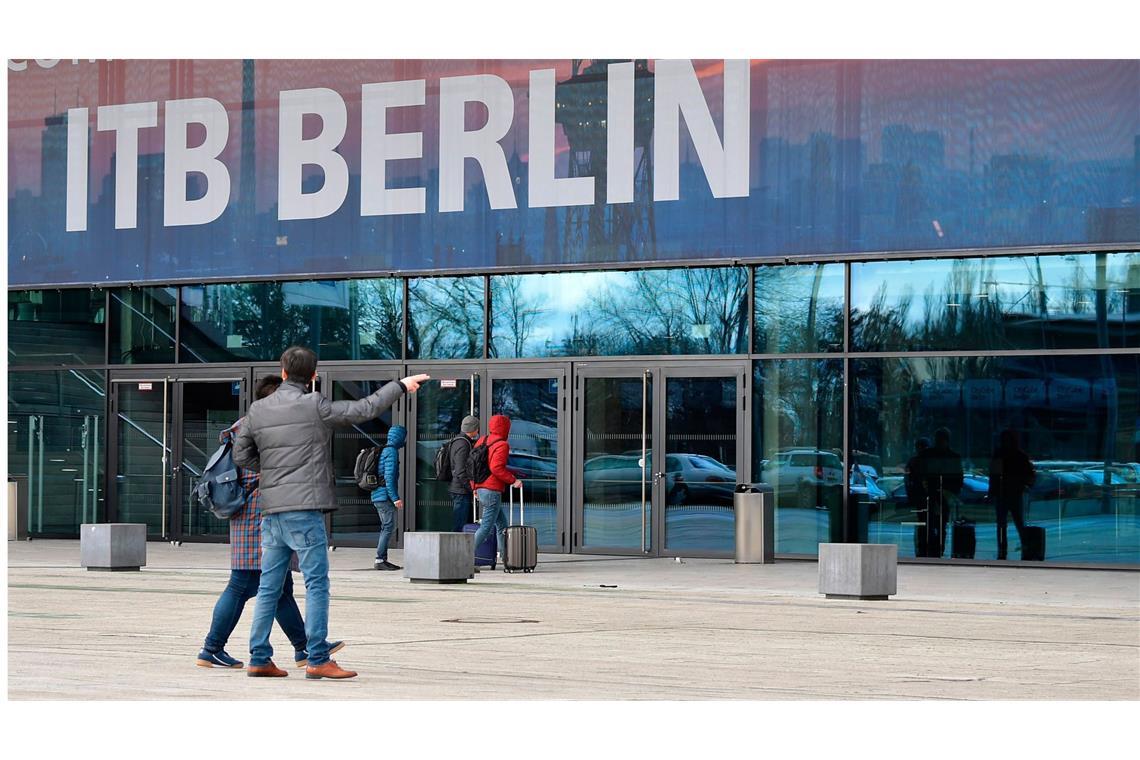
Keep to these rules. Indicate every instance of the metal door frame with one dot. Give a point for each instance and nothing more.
(562, 372)
(660, 371)
(383, 372)
(171, 379)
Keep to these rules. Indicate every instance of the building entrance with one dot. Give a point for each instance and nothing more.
(658, 451)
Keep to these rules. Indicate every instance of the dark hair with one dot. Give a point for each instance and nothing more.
(266, 386)
(299, 363)
(942, 436)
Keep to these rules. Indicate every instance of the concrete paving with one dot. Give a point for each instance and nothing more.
(585, 628)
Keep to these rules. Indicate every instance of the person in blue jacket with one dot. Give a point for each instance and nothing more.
(386, 498)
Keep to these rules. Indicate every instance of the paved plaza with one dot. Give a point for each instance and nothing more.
(585, 628)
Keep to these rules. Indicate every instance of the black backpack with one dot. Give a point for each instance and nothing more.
(481, 459)
(366, 472)
(443, 469)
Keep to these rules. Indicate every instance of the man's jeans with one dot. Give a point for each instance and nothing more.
(494, 518)
(281, 534)
(461, 511)
(387, 512)
(241, 588)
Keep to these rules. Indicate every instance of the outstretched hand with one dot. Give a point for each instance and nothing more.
(413, 383)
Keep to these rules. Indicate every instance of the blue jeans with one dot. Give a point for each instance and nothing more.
(241, 588)
(494, 518)
(387, 512)
(282, 533)
(460, 511)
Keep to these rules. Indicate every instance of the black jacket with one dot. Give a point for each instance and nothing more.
(460, 454)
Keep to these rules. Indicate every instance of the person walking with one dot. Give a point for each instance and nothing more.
(1011, 475)
(386, 497)
(459, 450)
(286, 437)
(245, 570)
(489, 490)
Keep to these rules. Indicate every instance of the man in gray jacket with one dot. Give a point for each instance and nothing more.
(287, 438)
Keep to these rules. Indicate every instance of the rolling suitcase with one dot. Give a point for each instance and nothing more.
(963, 540)
(485, 553)
(521, 541)
(1033, 544)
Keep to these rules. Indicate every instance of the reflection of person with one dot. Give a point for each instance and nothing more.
(1011, 475)
(490, 490)
(939, 470)
(245, 569)
(286, 437)
(386, 498)
(460, 487)
(916, 493)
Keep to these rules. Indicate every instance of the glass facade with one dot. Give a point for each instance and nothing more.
(799, 309)
(445, 318)
(642, 313)
(1077, 418)
(57, 424)
(950, 354)
(56, 327)
(142, 326)
(348, 319)
(1089, 300)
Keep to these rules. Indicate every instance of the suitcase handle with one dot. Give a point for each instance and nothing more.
(522, 506)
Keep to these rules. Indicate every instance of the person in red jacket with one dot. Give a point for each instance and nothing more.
(490, 490)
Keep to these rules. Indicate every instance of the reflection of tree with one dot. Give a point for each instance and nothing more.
(792, 315)
(445, 317)
(379, 311)
(675, 311)
(514, 314)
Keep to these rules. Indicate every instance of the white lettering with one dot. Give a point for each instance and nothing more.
(678, 93)
(295, 152)
(125, 121)
(17, 65)
(619, 133)
(178, 211)
(76, 169)
(377, 147)
(544, 189)
(457, 144)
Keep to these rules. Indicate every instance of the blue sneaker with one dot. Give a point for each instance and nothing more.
(208, 659)
(301, 656)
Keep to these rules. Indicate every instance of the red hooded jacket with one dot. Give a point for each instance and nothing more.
(500, 429)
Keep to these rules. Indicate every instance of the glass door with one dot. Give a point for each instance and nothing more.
(702, 418)
(613, 488)
(202, 410)
(535, 401)
(436, 411)
(140, 492)
(658, 453)
(355, 522)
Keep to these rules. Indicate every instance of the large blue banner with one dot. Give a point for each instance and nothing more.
(143, 171)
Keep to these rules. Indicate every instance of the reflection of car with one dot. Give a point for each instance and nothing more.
(804, 472)
(864, 484)
(539, 474)
(688, 478)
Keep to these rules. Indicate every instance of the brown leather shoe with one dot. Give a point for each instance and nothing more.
(329, 670)
(268, 670)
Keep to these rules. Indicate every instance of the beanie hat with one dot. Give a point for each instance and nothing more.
(469, 425)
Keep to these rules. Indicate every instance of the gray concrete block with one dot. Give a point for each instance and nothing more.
(858, 571)
(112, 546)
(431, 557)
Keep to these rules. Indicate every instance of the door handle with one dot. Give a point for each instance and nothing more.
(657, 477)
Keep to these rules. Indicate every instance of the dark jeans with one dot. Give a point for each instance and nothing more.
(1005, 509)
(241, 588)
(387, 512)
(461, 511)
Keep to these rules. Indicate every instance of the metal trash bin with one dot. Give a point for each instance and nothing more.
(754, 509)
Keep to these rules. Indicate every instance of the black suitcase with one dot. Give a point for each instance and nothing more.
(520, 544)
(963, 540)
(1033, 544)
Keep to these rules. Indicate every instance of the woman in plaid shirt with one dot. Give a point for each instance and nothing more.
(245, 571)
